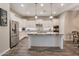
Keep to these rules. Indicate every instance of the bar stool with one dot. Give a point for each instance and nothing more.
(75, 37)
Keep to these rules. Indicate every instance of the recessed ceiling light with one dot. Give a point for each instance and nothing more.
(22, 5)
(41, 4)
(62, 4)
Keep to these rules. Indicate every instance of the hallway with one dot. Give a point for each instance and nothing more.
(21, 50)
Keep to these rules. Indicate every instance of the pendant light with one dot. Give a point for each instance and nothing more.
(51, 11)
(36, 11)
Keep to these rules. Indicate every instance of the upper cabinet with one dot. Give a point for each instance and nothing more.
(55, 21)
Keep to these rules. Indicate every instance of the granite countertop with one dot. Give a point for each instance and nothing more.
(47, 33)
(41, 33)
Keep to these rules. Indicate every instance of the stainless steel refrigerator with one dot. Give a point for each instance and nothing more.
(14, 33)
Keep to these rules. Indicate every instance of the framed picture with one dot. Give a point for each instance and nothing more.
(3, 17)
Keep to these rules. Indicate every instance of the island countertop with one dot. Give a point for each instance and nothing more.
(47, 33)
(48, 39)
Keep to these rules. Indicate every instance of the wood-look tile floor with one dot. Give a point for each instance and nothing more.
(21, 50)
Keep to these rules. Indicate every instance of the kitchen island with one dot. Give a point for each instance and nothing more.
(46, 39)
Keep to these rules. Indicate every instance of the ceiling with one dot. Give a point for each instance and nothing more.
(31, 9)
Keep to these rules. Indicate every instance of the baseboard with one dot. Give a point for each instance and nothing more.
(68, 39)
(4, 52)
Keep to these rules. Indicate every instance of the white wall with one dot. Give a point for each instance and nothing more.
(4, 30)
(69, 21)
(72, 22)
(73, 17)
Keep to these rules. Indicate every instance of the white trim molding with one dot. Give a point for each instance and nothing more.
(4, 52)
